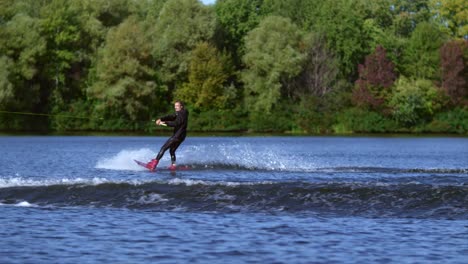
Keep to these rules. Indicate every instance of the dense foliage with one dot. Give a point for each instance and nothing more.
(328, 66)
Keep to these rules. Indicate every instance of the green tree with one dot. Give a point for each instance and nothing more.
(92, 27)
(153, 9)
(126, 86)
(302, 13)
(7, 93)
(237, 18)
(22, 47)
(452, 14)
(10, 8)
(74, 30)
(60, 27)
(67, 54)
(414, 101)
(378, 10)
(421, 56)
(6, 10)
(209, 73)
(275, 53)
(108, 13)
(343, 25)
(174, 39)
(408, 14)
(378, 27)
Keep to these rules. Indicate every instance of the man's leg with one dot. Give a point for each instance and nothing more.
(170, 142)
(172, 151)
(154, 162)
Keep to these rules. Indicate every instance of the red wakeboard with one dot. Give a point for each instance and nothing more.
(171, 168)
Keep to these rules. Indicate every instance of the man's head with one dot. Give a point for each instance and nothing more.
(178, 105)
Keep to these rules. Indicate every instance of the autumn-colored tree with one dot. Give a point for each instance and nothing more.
(454, 70)
(376, 75)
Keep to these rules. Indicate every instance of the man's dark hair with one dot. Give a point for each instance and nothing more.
(181, 103)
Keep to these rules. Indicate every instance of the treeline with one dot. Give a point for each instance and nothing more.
(315, 66)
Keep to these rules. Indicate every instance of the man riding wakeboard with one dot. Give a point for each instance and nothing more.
(178, 121)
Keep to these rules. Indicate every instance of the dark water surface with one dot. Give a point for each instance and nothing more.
(238, 200)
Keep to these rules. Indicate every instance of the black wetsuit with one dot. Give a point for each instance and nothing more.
(179, 122)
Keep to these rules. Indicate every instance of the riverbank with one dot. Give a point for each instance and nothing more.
(167, 133)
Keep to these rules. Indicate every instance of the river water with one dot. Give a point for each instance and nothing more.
(67, 199)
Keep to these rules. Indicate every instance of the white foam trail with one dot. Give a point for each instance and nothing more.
(24, 204)
(152, 198)
(244, 155)
(189, 182)
(20, 204)
(21, 182)
(124, 160)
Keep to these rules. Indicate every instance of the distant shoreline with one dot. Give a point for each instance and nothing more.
(166, 133)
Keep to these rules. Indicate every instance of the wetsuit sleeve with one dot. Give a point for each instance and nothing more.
(177, 122)
(169, 118)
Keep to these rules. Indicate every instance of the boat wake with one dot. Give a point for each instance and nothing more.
(366, 199)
